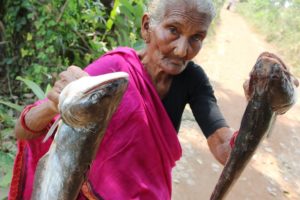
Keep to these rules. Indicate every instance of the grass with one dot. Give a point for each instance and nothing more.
(281, 27)
(6, 163)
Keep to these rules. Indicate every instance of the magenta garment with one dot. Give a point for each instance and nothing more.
(140, 146)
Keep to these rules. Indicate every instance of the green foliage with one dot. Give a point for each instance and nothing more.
(38, 39)
(280, 21)
(34, 87)
(7, 141)
(6, 161)
(12, 105)
(43, 37)
(7, 147)
(6, 118)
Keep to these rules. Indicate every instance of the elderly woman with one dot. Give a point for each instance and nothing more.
(140, 146)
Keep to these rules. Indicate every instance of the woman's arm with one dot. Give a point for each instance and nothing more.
(207, 113)
(219, 141)
(219, 144)
(36, 119)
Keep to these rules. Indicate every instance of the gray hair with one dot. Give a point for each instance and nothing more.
(157, 8)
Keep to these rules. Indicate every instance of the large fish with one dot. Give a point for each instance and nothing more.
(271, 92)
(86, 106)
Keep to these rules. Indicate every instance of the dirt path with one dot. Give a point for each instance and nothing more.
(274, 171)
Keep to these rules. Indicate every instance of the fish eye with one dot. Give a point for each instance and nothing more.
(95, 96)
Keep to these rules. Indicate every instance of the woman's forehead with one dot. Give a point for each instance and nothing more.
(185, 13)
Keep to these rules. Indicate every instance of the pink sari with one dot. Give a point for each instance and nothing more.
(140, 146)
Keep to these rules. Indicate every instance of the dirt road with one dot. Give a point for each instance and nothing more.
(274, 171)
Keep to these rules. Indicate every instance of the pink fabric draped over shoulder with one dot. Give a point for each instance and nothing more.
(140, 146)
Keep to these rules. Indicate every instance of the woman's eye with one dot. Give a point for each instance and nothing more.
(198, 37)
(173, 30)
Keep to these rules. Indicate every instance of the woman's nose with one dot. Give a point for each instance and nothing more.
(181, 47)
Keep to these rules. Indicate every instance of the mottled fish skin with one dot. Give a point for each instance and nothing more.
(85, 114)
(272, 92)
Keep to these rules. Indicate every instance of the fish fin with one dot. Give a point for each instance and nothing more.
(270, 131)
(52, 129)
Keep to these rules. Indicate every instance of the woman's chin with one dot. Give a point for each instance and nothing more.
(173, 70)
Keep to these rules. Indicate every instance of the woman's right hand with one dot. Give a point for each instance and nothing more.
(72, 73)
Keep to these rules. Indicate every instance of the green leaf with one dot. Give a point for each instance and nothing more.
(40, 44)
(6, 163)
(112, 16)
(34, 87)
(109, 24)
(48, 88)
(9, 61)
(6, 133)
(128, 5)
(139, 11)
(12, 105)
(24, 52)
(29, 37)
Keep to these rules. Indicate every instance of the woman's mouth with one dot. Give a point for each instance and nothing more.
(177, 62)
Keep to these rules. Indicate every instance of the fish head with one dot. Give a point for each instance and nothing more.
(92, 100)
(271, 77)
(282, 89)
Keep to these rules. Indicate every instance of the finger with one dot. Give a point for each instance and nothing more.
(66, 77)
(77, 71)
(72, 73)
(60, 85)
(53, 96)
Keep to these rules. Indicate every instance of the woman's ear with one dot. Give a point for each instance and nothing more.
(145, 28)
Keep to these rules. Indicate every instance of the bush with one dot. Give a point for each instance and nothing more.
(43, 37)
(280, 22)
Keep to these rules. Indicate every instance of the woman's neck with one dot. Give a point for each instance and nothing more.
(161, 80)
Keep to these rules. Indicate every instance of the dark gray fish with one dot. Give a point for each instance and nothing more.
(272, 92)
(86, 107)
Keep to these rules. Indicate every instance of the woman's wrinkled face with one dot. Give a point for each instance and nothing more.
(177, 39)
